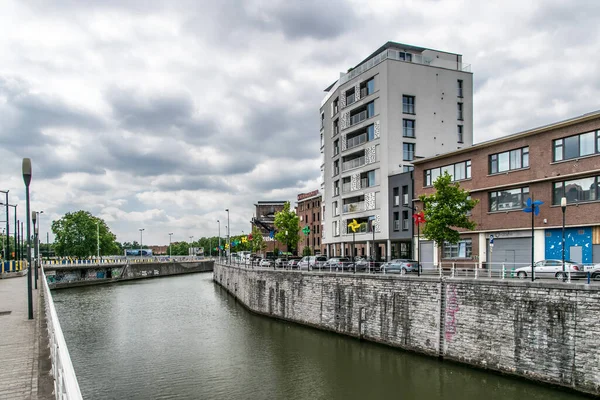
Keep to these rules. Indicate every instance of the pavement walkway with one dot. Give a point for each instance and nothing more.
(24, 353)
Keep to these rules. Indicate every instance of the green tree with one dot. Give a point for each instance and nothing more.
(76, 236)
(307, 251)
(257, 240)
(287, 224)
(446, 209)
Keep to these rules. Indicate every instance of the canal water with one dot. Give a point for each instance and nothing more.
(184, 337)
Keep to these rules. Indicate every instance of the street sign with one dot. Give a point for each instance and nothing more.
(491, 240)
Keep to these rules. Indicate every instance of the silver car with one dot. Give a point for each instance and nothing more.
(552, 269)
(399, 266)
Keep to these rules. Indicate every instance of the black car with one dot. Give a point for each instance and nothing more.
(339, 264)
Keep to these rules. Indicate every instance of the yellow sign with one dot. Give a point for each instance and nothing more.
(244, 240)
(354, 225)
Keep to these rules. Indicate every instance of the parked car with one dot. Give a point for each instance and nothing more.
(400, 266)
(312, 262)
(366, 264)
(339, 263)
(265, 262)
(280, 262)
(552, 269)
(292, 262)
(595, 272)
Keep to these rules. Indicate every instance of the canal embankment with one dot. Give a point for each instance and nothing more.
(542, 331)
(66, 276)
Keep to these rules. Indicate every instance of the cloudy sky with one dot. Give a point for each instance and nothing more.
(161, 114)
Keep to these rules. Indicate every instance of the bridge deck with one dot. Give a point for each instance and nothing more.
(25, 365)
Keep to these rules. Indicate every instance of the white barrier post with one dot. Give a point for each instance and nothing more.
(503, 271)
(453, 268)
(476, 271)
(569, 275)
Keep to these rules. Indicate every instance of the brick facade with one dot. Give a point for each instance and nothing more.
(309, 211)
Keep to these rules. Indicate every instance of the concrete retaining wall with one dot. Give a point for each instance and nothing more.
(63, 277)
(539, 330)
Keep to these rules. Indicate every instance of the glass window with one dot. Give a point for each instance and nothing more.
(370, 132)
(460, 171)
(449, 169)
(370, 109)
(509, 160)
(370, 86)
(460, 134)
(462, 249)
(408, 128)
(408, 104)
(577, 190)
(586, 144)
(571, 147)
(371, 178)
(468, 169)
(515, 159)
(408, 168)
(435, 174)
(460, 88)
(525, 157)
(503, 162)
(508, 199)
(460, 111)
(558, 150)
(408, 151)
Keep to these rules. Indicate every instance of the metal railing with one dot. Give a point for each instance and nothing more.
(346, 187)
(361, 116)
(354, 207)
(355, 163)
(350, 99)
(120, 260)
(356, 141)
(65, 381)
(396, 225)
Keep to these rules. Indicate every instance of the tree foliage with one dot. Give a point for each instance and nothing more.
(287, 224)
(446, 209)
(307, 251)
(258, 244)
(76, 236)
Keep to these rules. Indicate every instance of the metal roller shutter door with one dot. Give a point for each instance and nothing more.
(426, 255)
(515, 252)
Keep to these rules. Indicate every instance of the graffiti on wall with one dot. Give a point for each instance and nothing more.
(574, 237)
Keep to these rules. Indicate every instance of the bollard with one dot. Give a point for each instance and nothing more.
(453, 268)
(490, 271)
(476, 272)
(589, 275)
(441, 270)
(503, 271)
(569, 275)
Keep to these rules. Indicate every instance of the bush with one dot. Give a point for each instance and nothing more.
(307, 251)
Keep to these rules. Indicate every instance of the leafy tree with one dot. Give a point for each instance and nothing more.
(307, 251)
(257, 240)
(448, 208)
(287, 224)
(76, 235)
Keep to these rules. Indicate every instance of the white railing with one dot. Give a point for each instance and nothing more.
(121, 260)
(65, 381)
(361, 116)
(356, 141)
(354, 207)
(355, 163)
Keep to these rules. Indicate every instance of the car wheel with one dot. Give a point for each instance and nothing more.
(596, 276)
(404, 271)
(522, 275)
(310, 268)
(560, 276)
(337, 269)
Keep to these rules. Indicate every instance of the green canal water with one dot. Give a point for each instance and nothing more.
(184, 337)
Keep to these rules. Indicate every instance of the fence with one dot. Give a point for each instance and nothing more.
(12, 266)
(65, 381)
(67, 262)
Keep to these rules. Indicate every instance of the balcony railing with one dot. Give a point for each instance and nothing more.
(361, 116)
(405, 224)
(350, 99)
(364, 228)
(357, 162)
(397, 225)
(409, 132)
(346, 187)
(356, 141)
(354, 207)
(396, 200)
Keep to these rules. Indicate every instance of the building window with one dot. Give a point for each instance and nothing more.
(336, 147)
(367, 88)
(336, 188)
(460, 87)
(408, 151)
(405, 195)
(458, 172)
(318, 217)
(577, 190)
(581, 145)
(322, 120)
(408, 104)
(350, 97)
(396, 221)
(336, 127)
(408, 128)
(396, 194)
(336, 167)
(335, 209)
(404, 56)
(336, 103)
(408, 168)
(336, 228)
(508, 199)
(462, 249)
(509, 160)
(405, 221)
(460, 134)
(460, 111)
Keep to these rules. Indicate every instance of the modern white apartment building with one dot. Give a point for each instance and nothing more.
(401, 103)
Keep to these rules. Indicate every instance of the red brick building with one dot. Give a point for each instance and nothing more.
(264, 219)
(308, 209)
(546, 163)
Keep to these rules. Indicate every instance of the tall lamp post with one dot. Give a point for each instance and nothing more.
(7, 253)
(532, 207)
(16, 231)
(228, 239)
(37, 239)
(219, 224)
(26, 169)
(141, 240)
(170, 236)
(34, 215)
(563, 206)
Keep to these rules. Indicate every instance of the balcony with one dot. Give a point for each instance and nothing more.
(356, 141)
(360, 117)
(396, 225)
(355, 163)
(405, 224)
(354, 207)
(350, 99)
(347, 187)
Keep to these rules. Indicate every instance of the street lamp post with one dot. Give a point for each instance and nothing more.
(228, 239)
(26, 169)
(7, 252)
(170, 235)
(16, 233)
(35, 253)
(98, 240)
(219, 223)
(563, 206)
(141, 240)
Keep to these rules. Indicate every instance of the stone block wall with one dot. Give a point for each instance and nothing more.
(543, 331)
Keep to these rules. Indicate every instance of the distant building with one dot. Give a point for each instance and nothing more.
(308, 209)
(159, 250)
(264, 220)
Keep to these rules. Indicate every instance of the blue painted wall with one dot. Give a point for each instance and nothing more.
(573, 237)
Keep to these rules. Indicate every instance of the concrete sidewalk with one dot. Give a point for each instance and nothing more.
(24, 353)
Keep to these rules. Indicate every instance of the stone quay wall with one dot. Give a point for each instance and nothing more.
(543, 331)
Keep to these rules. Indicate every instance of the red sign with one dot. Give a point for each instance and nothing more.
(302, 196)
